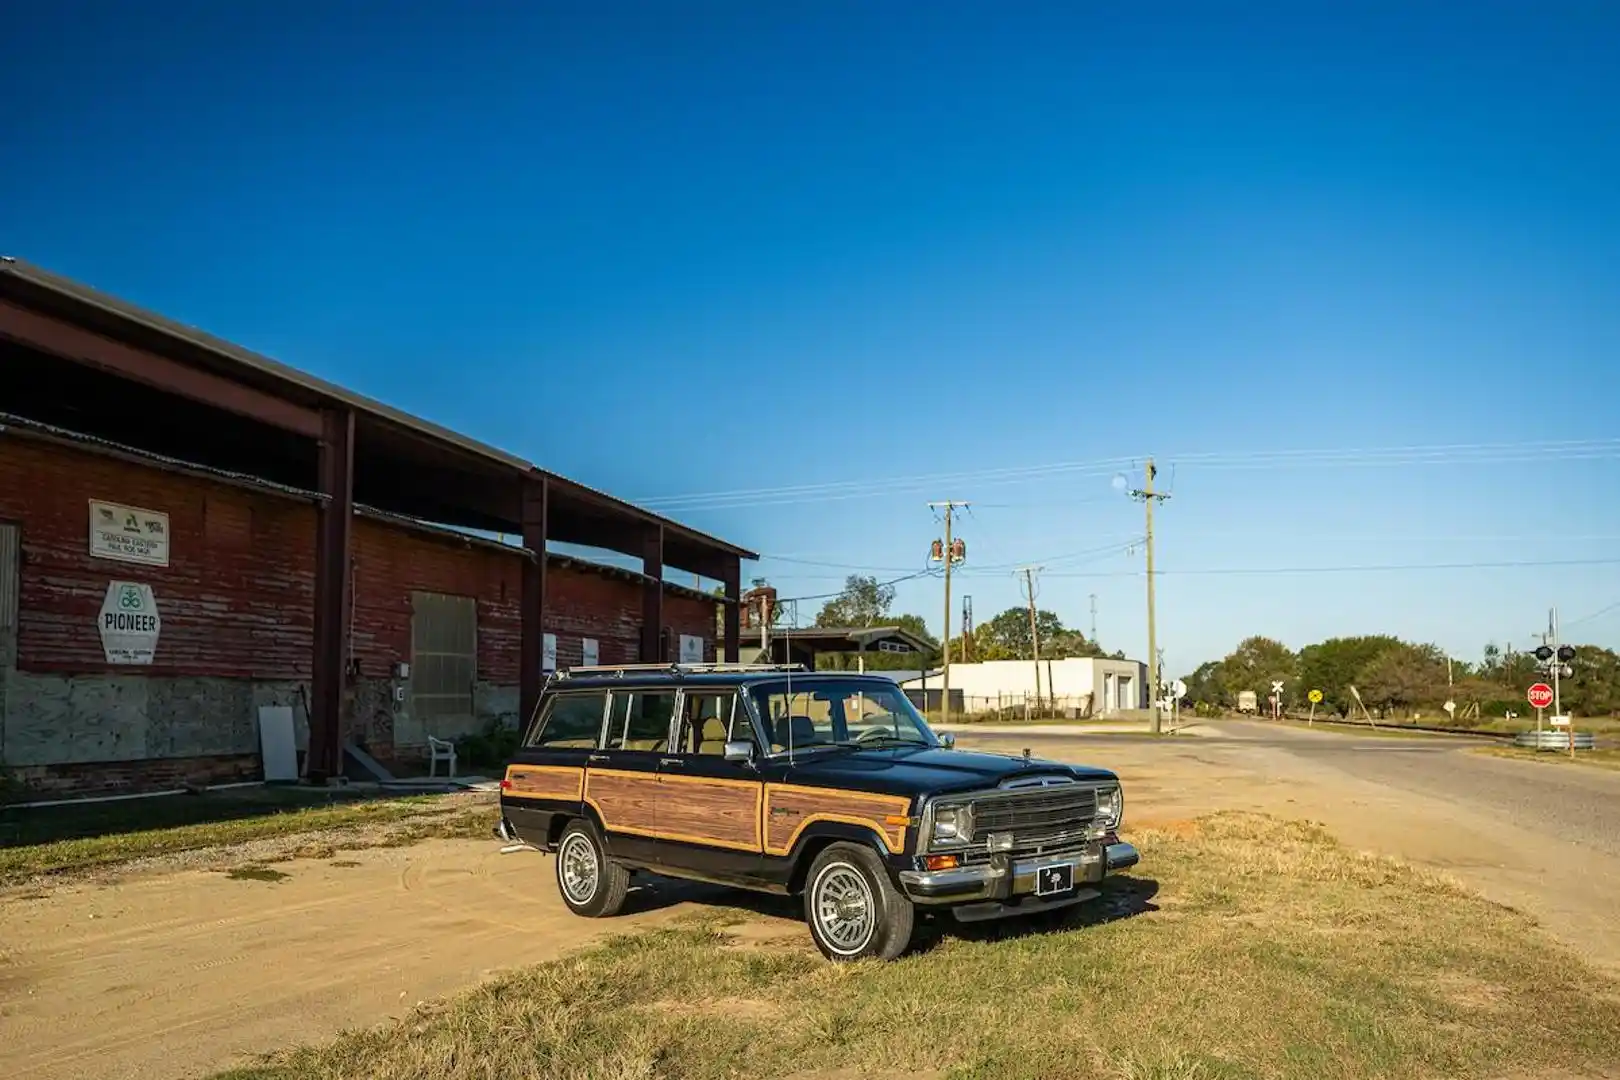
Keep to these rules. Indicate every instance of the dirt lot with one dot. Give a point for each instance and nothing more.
(180, 972)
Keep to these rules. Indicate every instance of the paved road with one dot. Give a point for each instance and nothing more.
(1541, 836)
(1569, 803)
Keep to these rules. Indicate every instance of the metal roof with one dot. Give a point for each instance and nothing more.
(302, 386)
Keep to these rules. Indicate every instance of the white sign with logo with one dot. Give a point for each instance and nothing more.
(590, 652)
(548, 652)
(129, 623)
(691, 649)
(128, 534)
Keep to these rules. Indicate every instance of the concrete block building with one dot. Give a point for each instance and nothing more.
(189, 532)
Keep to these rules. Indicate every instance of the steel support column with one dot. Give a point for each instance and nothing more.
(733, 603)
(652, 595)
(531, 650)
(332, 595)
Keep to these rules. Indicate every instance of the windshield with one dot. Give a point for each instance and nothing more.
(856, 712)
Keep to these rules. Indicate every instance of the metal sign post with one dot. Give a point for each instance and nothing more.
(1276, 699)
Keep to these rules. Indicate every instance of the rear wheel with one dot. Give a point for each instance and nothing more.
(854, 911)
(590, 884)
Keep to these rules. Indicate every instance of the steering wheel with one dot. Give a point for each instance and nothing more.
(875, 733)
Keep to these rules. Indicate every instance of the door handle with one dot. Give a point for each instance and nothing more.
(597, 757)
(671, 761)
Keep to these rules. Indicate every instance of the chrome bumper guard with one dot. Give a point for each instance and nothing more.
(1005, 879)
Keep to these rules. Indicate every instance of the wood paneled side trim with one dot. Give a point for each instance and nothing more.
(792, 808)
(710, 811)
(566, 782)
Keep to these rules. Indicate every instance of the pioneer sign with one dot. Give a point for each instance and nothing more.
(129, 534)
(129, 623)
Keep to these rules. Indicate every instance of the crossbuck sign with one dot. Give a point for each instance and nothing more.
(1276, 687)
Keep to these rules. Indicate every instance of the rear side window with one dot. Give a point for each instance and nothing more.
(641, 720)
(572, 721)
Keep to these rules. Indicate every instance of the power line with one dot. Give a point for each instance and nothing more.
(1436, 454)
(1366, 568)
(1599, 613)
(840, 592)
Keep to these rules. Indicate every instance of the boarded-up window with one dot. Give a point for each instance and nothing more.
(444, 661)
(8, 597)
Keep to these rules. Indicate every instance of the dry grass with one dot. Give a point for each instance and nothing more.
(1603, 757)
(311, 832)
(1261, 949)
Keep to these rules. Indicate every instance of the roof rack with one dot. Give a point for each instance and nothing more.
(619, 670)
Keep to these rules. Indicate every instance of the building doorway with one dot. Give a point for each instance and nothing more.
(444, 669)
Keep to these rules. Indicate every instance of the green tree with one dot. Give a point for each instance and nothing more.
(864, 602)
(1405, 676)
(1335, 665)
(1256, 663)
(1006, 637)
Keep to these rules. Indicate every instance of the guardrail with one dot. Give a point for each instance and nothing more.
(1500, 736)
(1554, 739)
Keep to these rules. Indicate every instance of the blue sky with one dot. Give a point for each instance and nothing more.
(709, 247)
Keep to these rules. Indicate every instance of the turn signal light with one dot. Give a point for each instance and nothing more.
(941, 862)
(506, 785)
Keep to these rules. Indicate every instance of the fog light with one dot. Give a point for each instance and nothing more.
(941, 862)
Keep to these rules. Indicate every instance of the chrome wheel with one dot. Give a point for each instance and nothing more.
(578, 871)
(845, 912)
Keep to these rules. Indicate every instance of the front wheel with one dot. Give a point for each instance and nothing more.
(590, 884)
(854, 911)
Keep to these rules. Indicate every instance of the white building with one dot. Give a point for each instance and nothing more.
(1088, 685)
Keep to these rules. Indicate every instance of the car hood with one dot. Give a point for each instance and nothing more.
(925, 771)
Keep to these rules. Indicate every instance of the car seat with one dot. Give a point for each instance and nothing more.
(801, 728)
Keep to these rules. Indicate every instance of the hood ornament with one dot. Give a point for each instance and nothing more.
(1026, 755)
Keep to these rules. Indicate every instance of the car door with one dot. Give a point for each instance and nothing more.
(709, 808)
(546, 776)
(621, 784)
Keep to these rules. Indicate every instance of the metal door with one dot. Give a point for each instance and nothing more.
(444, 667)
(8, 618)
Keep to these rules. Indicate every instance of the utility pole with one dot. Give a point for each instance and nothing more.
(1030, 592)
(1148, 496)
(967, 629)
(949, 553)
(1558, 661)
(1094, 618)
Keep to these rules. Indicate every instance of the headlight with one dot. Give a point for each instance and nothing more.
(1110, 806)
(953, 824)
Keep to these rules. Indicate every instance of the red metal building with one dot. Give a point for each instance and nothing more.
(293, 544)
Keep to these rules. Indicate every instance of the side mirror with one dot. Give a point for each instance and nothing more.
(739, 751)
(947, 740)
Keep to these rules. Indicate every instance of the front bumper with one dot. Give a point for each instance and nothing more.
(1005, 878)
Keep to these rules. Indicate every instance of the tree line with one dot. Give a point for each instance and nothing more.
(1392, 675)
(864, 601)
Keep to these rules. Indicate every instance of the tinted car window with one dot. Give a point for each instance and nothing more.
(641, 720)
(571, 721)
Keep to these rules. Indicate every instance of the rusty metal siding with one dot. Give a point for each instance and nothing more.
(237, 599)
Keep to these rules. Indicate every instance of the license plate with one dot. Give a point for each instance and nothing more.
(1055, 878)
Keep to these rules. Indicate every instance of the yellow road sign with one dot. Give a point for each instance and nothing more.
(1315, 696)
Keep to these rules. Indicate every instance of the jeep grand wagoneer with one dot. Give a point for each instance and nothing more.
(825, 785)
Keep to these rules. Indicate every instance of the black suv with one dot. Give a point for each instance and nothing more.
(825, 785)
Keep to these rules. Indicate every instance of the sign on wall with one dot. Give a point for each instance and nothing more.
(129, 623)
(691, 649)
(590, 652)
(548, 652)
(128, 534)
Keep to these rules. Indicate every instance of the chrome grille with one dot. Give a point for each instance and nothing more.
(1035, 813)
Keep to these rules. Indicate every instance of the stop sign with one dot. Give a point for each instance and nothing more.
(1540, 696)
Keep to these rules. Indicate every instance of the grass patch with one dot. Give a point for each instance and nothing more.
(256, 873)
(1604, 758)
(408, 819)
(1262, 949)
